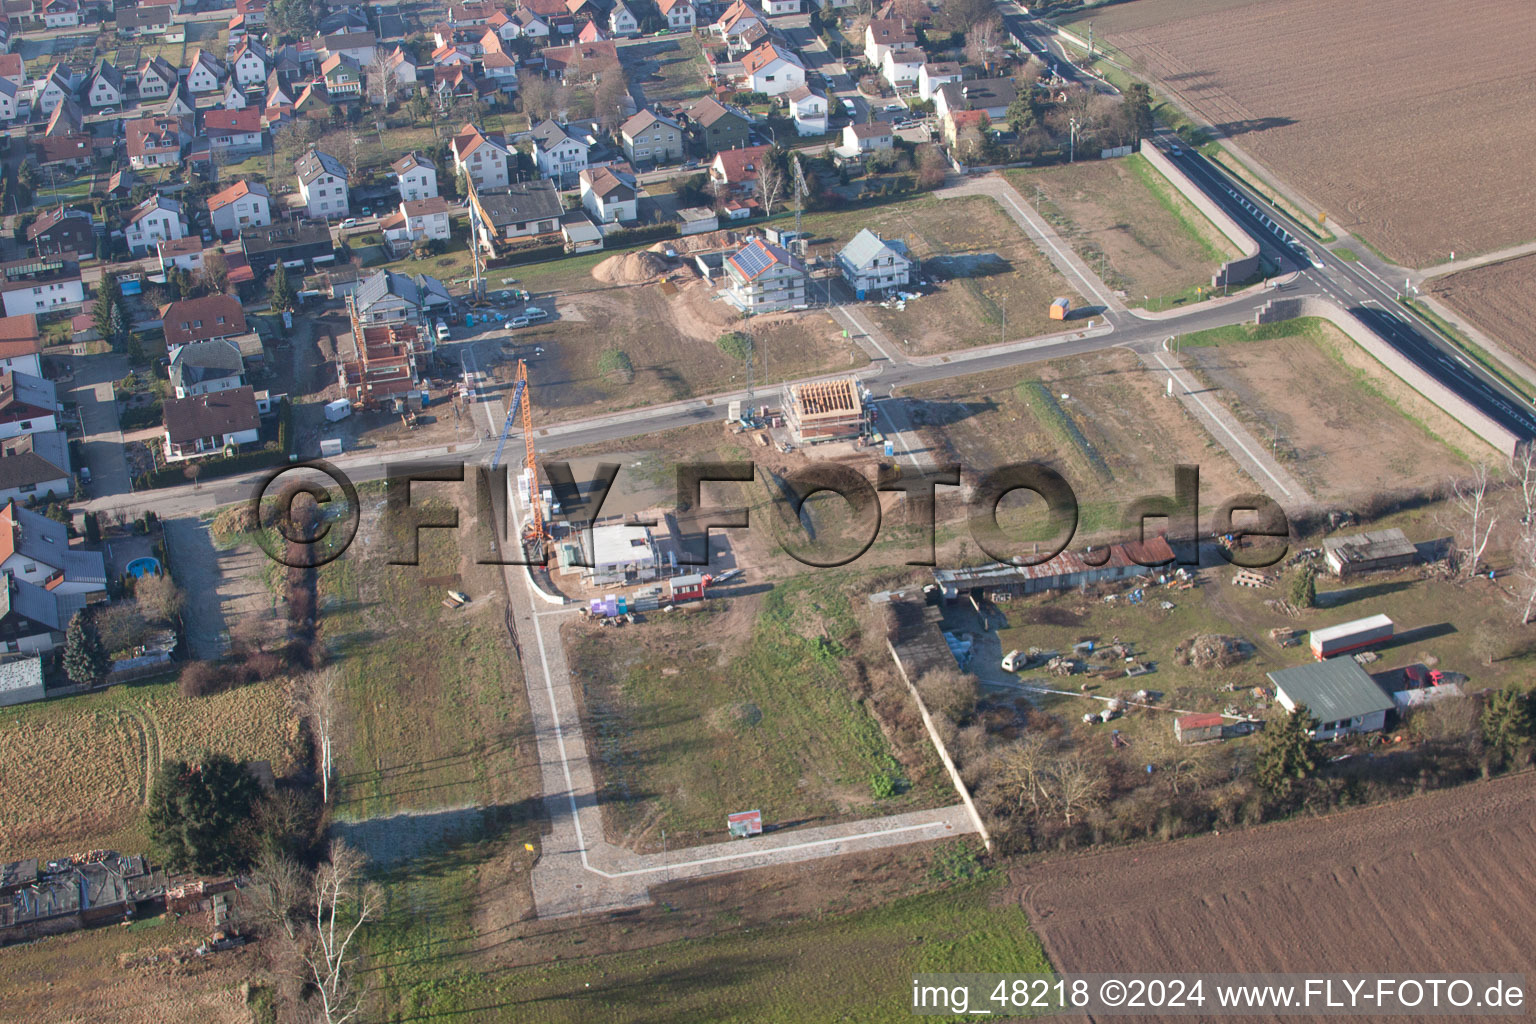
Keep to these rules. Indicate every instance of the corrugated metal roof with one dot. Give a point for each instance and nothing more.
(1141, 553)
(1333, 691)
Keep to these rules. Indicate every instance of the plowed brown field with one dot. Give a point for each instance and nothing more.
(1410, 126)
(1500, 299)
(1435, 883)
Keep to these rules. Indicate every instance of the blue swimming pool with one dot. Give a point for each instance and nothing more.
(144, 567)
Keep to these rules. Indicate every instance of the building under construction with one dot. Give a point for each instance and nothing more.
(825, 410)
(381, 368)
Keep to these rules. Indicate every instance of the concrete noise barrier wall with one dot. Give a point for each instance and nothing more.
(1233, 271)
(1452, 404)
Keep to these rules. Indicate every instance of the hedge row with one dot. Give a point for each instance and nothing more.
(228, 465)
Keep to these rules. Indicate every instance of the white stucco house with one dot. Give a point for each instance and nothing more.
(484, 158)
(559, 153)
(808, 108)
(155, 220)
(871, 264)
(609, 196)
(243, 204)
(772, 70)
(322, 185)
(415, 178)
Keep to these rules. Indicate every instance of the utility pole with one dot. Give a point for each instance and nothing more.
(1090, 42)
(1072, 141)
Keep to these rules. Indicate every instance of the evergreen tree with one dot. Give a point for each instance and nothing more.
(102, 312)
(1288, 753)
(283, 297)
(199, 815)
(85, 661)
(1304, 587)
(1507, 723)
(1138, 102)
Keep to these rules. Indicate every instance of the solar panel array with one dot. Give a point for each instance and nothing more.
(754, 259)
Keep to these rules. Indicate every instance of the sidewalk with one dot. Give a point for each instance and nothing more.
(1056, 248)
(1226, 431)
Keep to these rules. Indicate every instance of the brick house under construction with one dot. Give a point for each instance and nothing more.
(824, 410)
(382, 370)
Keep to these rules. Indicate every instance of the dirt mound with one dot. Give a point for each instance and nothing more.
(631, 268)
(696, 243)
(1212, 650)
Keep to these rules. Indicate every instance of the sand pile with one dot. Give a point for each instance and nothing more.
(696, 243)
(631, 268)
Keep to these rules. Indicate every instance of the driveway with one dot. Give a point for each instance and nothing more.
(103, 441)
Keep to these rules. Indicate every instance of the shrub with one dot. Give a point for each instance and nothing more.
(615, 363)
(735, 345)
(200, 679)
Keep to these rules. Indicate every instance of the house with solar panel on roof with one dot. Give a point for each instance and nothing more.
(764, 278)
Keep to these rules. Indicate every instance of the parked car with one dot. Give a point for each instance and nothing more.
(350, 222)
(518, 321)
(895, 106)
(442, 331)
(533, 313)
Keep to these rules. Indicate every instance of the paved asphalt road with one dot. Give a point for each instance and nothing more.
(1355, 287)
(1366, 295)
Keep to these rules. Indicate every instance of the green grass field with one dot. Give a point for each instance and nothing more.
(436, 714)
(685, 732)
(849, 967)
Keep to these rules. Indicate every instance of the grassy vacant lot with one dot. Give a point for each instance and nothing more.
(1131, 225)
(1346, 427)
(669, 339)
(763, 715)
(77, 769)
(670, 71)
(840, 966)
(436, 716)
(104, 974)
(1100, 420)
(1004, 298)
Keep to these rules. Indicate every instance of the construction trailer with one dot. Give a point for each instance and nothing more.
(688, 588)
(1375, 551)
(825, 410)
(1350, 636)
(1060, 307)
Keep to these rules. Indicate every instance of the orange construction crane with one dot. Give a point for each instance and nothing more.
(522, 401)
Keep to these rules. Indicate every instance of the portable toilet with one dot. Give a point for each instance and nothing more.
(1059, 307)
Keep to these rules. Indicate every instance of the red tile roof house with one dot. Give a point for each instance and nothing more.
(232, 132)
(738, 168)
(213, 316)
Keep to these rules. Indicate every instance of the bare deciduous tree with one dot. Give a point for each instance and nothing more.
(381, 78)
(318, 698)
(770, 183)
(982, 42)
(1078, 785)
(538, 97)
(342, 903)
(278, 888)
(1478, 519)
(158, 597)
(1022, 767)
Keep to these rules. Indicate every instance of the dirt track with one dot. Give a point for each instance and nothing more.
(1435, 883)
